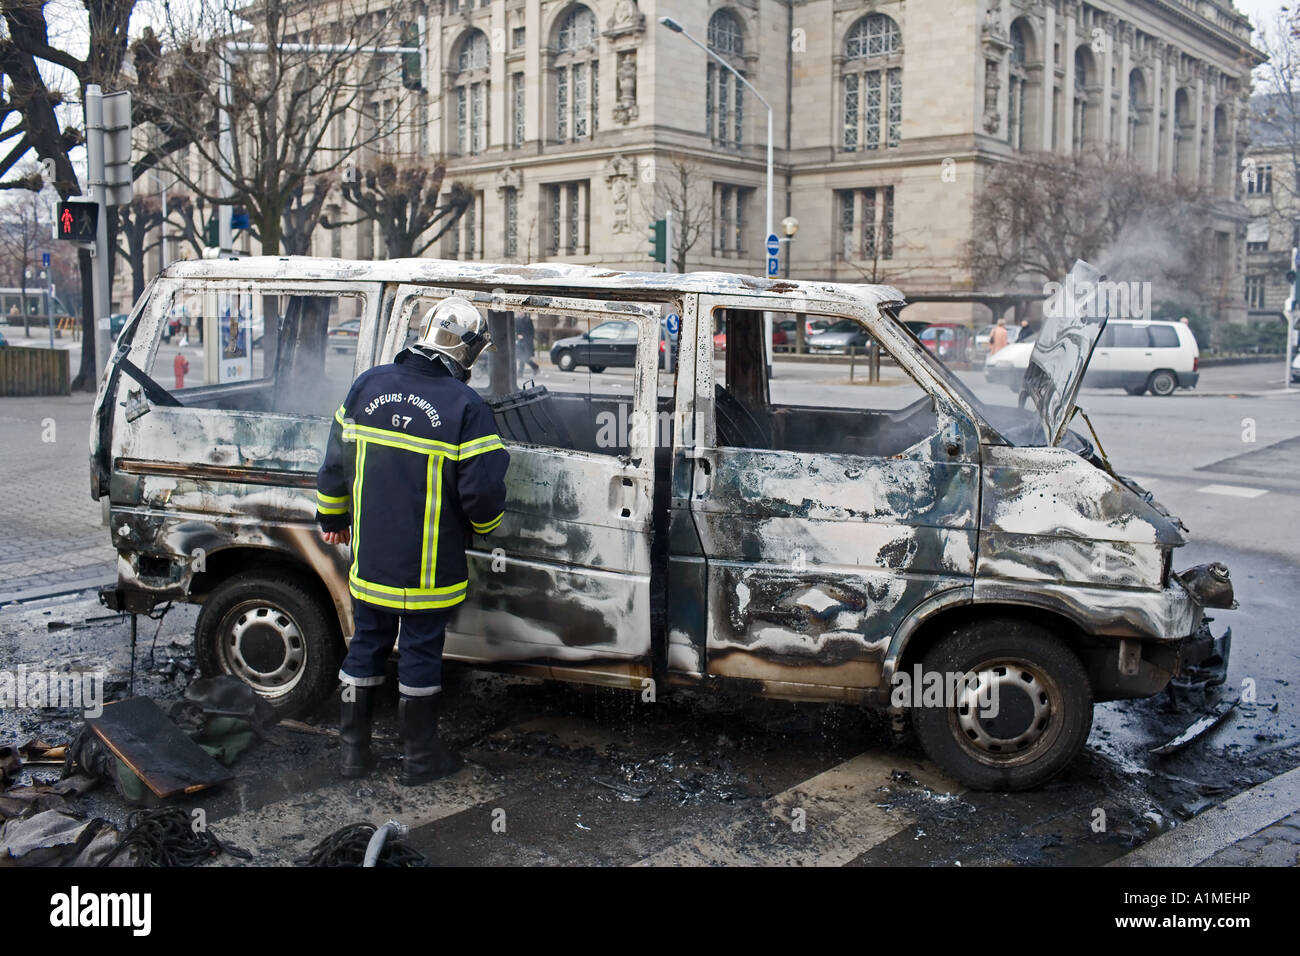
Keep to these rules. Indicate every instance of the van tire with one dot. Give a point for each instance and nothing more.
(277, 618)
(1135, 389)
(596, 369)
(1046, 694)
(1162, 382)
(564, 361)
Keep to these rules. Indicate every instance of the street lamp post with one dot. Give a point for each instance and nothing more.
(676, 27)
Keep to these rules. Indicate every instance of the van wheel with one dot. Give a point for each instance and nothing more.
(597, 369)
(565, 361)
(1135, 389)
(269, 629)
(1043, 706)
(1162, 382)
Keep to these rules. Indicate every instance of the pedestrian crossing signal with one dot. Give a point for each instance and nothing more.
(78, 221)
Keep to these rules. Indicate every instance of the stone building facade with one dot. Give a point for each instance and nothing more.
(560, 116)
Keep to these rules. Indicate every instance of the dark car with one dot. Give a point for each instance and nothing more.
(343, 337)
(117, 320)
(608, 345)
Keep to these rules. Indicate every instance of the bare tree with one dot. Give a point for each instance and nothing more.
(297, 107)
(1039, 212)
(403, 198)
(40, 78)
(22, 232)
(683, 188)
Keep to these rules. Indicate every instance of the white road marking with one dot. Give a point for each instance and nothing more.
(1233, 491)
(845, 813)
(290, 828)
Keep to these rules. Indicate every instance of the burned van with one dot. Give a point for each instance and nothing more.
(693, 522)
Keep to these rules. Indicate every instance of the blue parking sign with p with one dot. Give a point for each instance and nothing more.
(773, 266)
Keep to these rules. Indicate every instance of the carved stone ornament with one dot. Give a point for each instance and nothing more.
(625, 108)
(509, 178)
(620, 173)
(626, 20)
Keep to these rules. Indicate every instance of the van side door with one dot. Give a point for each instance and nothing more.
(828, 511)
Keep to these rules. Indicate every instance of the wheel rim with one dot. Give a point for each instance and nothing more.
(264, 647)
(566, 361)
(1029, 715)
(1162, 384)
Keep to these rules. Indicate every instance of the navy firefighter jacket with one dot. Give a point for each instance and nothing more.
(413, 464)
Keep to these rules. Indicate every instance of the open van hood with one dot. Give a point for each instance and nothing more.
(1072, 323)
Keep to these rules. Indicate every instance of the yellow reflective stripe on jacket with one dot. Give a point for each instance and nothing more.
(356, 514)
(396, 439)
(332, 504)
(410, 599)
(339, 416)
(429, 542)
(480, 445)
(486, 526)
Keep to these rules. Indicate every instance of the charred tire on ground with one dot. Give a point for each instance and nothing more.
(565, 361)
(1162, 382)
(1044, 708)
(270, 629)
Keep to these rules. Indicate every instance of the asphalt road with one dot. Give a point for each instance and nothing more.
(562, 774)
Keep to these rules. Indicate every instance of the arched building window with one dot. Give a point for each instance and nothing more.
(724, 97)
(1018, 87)
(1184, 137)
(1085, 76)
(1139, 125)
(872, 84)
(470, 91)
(577, 69)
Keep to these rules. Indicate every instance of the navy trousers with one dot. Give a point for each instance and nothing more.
(419, 666)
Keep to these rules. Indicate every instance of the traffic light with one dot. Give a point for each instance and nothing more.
(78, 220)
(659, 240)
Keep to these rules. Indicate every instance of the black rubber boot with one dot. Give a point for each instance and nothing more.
(427, 758)
(354, 732)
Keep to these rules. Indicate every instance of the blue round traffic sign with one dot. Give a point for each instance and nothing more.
(773, 245)
(672, 323)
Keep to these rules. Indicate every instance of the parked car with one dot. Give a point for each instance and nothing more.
(343, 337)
(609, 345)
(1137, 356)
(649, 525)
(1295, 368)
(950, 342)
(117, 320)
(839, 338)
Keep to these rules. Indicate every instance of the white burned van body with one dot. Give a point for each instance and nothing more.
(700, 525)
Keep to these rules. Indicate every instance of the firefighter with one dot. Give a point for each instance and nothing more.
(413, 468)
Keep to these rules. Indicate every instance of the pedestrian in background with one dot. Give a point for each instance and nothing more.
(998, 338)
(525, 341)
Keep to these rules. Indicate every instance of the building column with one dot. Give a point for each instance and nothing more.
(1107, 88)
(1199, 130)
(1048, 86)
(1157, 75)
(1067, 95)
(1171, 90)
(1125, 78)
(1211, 144)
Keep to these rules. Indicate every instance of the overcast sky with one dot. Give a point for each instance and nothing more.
(1261, 10)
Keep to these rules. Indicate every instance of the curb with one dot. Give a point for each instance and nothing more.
(56, 590)
(1219, 827)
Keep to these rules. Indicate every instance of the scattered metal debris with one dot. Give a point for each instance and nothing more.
(624, 790)
(1203, 725)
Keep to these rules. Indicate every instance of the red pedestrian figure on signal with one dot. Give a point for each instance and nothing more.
(67, 220)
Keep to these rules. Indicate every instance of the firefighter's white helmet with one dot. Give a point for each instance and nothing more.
(456, 331)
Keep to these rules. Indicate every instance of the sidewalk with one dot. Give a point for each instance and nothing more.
(52, 534)
(1260, 827)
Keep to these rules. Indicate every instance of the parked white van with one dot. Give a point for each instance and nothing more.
(1136, 356)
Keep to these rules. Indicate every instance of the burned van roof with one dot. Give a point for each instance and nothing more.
(556, 275)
